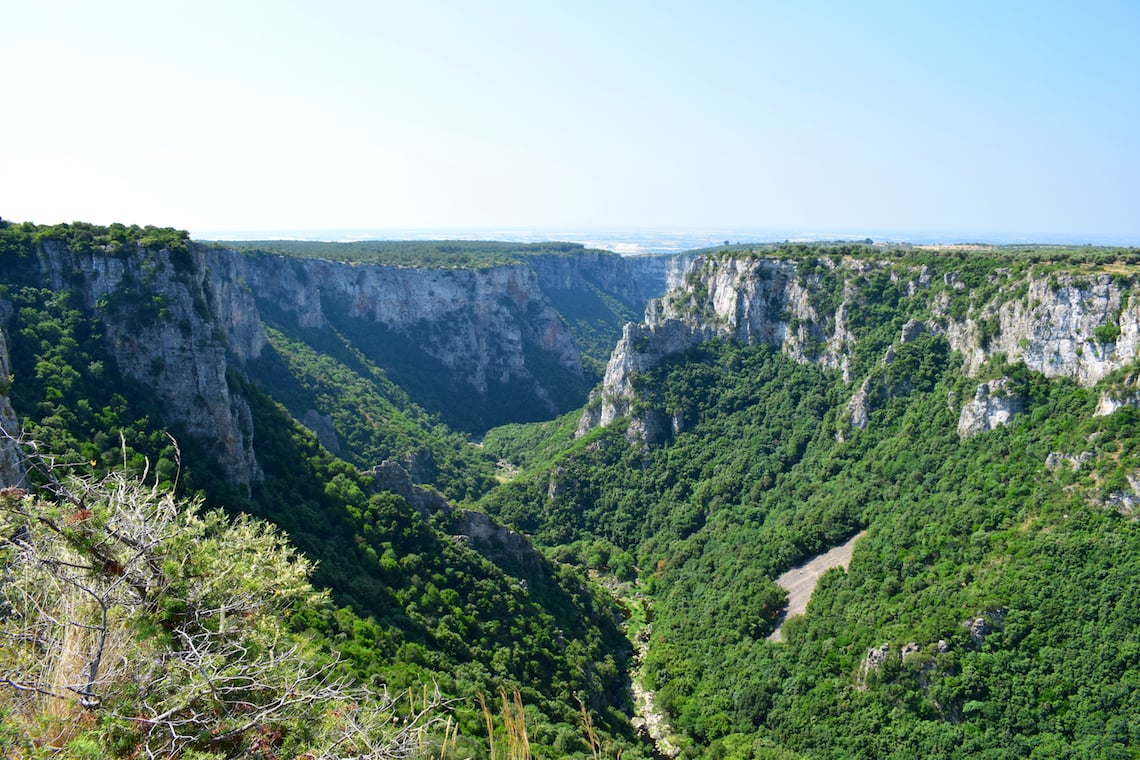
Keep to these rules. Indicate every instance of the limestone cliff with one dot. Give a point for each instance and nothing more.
(993, 405)
(586, 269)
(1061, 323)
(11, 458)
(753, 300)
(183, 322)
(477, 324)
(480, 345)
(657, 273)
(168, 322)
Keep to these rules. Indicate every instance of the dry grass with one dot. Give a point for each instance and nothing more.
(514, 726)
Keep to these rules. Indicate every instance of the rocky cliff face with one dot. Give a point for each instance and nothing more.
(994, 405)
(657, 273)
(1062, 324)
(477, 323)
(180, 322)
(170, 327)
(11, 458)
(497, 341)
(585, 269)
(1065, 325)
(747, 299)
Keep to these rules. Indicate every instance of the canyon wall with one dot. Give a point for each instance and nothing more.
(1074, 324)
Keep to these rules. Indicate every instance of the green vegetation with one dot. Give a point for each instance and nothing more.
(82, 237)
(374, 417)
(994, 585)
(144, 625)
(597, 319)
(427, 254)
(957, 531)
(411, 606)
(942, 256)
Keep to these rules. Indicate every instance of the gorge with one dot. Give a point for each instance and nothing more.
(690, 426)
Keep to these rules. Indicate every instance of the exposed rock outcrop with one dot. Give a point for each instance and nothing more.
(874, 661)
(858, 408)
(1075, 463)
(657, 273)
(497, 543)
(1054, 327)
(988, 622)
(1126, 500)
(476, 323)
(322, 427)
(994, 405)
(182, 322)
(1061, 324)
(12, 469)
(391, 476)
(159, 323)
(1121, 395)
(582, 270)
(738, 298)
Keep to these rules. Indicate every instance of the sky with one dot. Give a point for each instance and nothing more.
(964, 117)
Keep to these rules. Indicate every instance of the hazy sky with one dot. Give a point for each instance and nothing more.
(972, 116)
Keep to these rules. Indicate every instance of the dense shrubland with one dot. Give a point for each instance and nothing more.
(411, 606)
(987, 611)
(430, 254)
(767, 473)
(135, 623)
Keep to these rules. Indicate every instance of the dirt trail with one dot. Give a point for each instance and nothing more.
(800, 581)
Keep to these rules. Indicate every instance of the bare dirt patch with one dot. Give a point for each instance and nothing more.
(800, 581)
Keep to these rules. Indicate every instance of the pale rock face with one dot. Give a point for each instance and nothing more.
(12, 471)
(476, 322)
(479, 324)
(583, 269)
(912, 330)
(857, 412)
(1118, 396)
(993, 406)
(179, 355)
(1109, 403)
(1052, 327)
(741, 299)
(1126, 501)
(873, 662)
(656, 274)
(231, 304)
(749, 300)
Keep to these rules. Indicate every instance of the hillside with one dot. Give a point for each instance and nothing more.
(136, 350)
(972, 413)
(975, 417)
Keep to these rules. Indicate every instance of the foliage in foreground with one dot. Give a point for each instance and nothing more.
(134, 622)
(413, 604)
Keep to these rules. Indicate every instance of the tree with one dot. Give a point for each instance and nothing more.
(167, 625)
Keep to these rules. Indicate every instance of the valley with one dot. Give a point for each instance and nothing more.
(938, 446)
